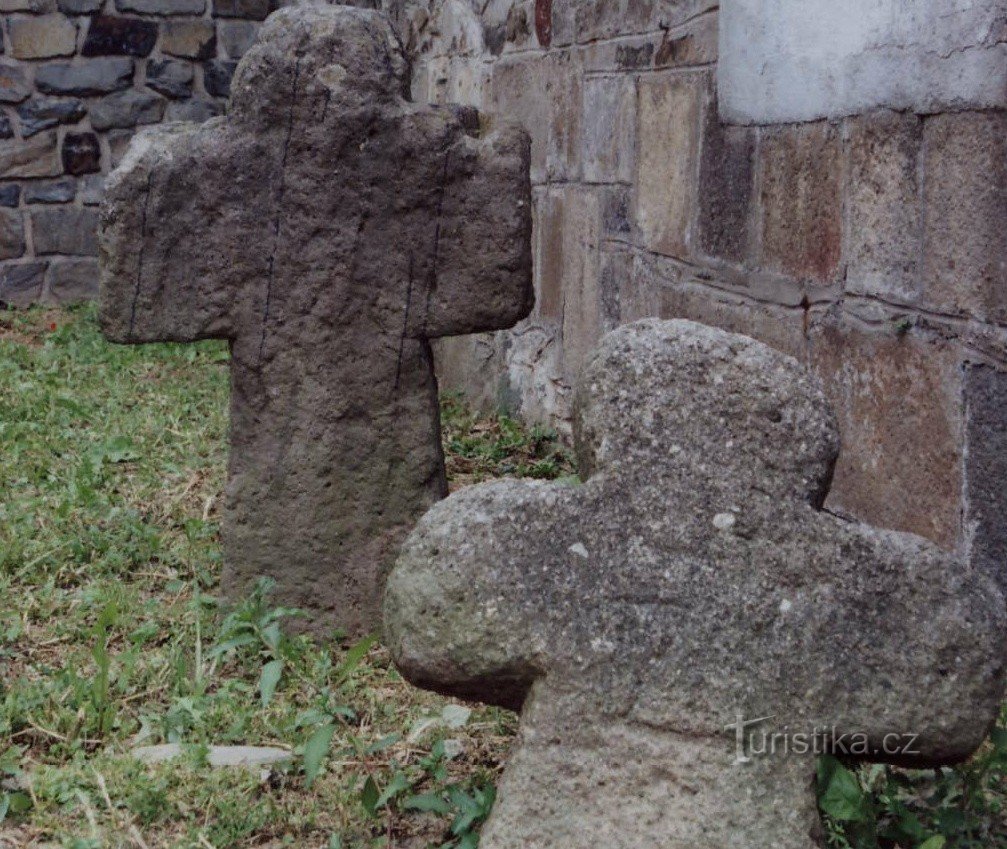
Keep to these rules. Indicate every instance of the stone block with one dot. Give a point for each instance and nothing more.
(79, 7)
(543, 93)
(21, 284)
(965, 210)
(118, 141)
(609, 128)
(44, 113)
(726, 185)
(801, 201)
(92, 189)
(884, 210)
(51, 191)
(668, 124)
(14, 86)
(91, 77)
(257, 10)
(81, 153)
(236, 37)
(10, 195)
(111, 36)
(65, 230)
(6, 127)
(170, 77)
(127, 109)
(162, 7)
(189, 39)
(34, 157)
(12, 241)
(42, 37)
(72, 281)
(34, 7)
(985, 470)
(691, 45)
(898, 401)
(217, 74)
(196, 110)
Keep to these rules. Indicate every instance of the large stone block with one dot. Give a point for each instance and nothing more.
(898, 400)
(965, 210)
(12, 242)
(71, 281)
(543, 93)
(111, 36)
(127, 109)
(21, 284)
(669, 118)
(42, 37)
(162, 7)
(189, 39)
(65, 230)
(34, 157)
(609, 128)
(92, 77)
(884, 248)
(44, 113)
(14, 86)
(801, 201)
(726, 184)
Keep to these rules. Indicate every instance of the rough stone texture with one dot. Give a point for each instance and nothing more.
(11, 234)
(965, 207)
(801, 186)
(62, 190)
(21, 284)
(341, 228)
(724, 591)
(170, 78)
(217, 756)
(237, 37)
(897, 399)
(44, 113)
(10, 195)
(92, 189)
(193, 110)
(217, 77)
(109, 36)
(127, 109)
(162, 7)
(668, 132)
(79, 7)
(13, 85)
(81, 153)
(609, 128)
(34, 157)
(797, 60)
(72, 281)
(65, 230)
(43, 37)
(6, 127)
(254, 9)
(189, 39)
(97, 76)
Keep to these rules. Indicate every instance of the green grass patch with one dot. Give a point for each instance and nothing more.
(112, 464)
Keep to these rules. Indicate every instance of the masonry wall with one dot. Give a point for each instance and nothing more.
(869, 243)
(77, 78)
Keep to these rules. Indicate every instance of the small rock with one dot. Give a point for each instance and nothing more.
(95, 76)
(43, 113)
(110, 36)
(217, 76)
(170, 77)
(51, 191)
(81, 153)
(127, 109)
(189, 39)
(219, 756)
(42, 37)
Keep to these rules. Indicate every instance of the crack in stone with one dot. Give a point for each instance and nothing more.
(139, 261)
(432, 276)
(279, 207)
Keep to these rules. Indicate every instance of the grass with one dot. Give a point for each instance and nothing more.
(111, 635)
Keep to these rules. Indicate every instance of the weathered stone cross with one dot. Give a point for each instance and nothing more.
(328, 228)
(692, 580)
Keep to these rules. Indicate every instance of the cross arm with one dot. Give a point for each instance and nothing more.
(180, 235)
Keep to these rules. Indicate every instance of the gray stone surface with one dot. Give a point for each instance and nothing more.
(195, 110)
(65, 230)
(51, 191)
(10, 195)
(92, 189)
(34, 157)
(196, 39)
(341, 227)
(797, 60)
(692, 578)
(127, 109)
(93, 76)
(13, 84)
(42, 37)
(237, 37)
(11, 234)
(44, 113)
(73, 280)
(162, 7)
(21, 284)
(218, 756)
(170, 77)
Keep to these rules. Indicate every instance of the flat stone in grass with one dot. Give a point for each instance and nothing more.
(328, 228)
(692, 583)
(217, 756)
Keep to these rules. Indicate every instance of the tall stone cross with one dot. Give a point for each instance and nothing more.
(328, 228)
(660, 623)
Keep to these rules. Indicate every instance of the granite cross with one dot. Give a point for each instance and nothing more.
(328, 228)
(687, 628)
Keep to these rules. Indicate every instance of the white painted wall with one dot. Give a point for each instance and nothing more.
(798, 60)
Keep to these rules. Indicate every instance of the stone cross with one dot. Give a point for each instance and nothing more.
(328, 228)
(660, 623)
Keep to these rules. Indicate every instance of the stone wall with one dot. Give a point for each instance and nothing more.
(76, 79)
(872, 244)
